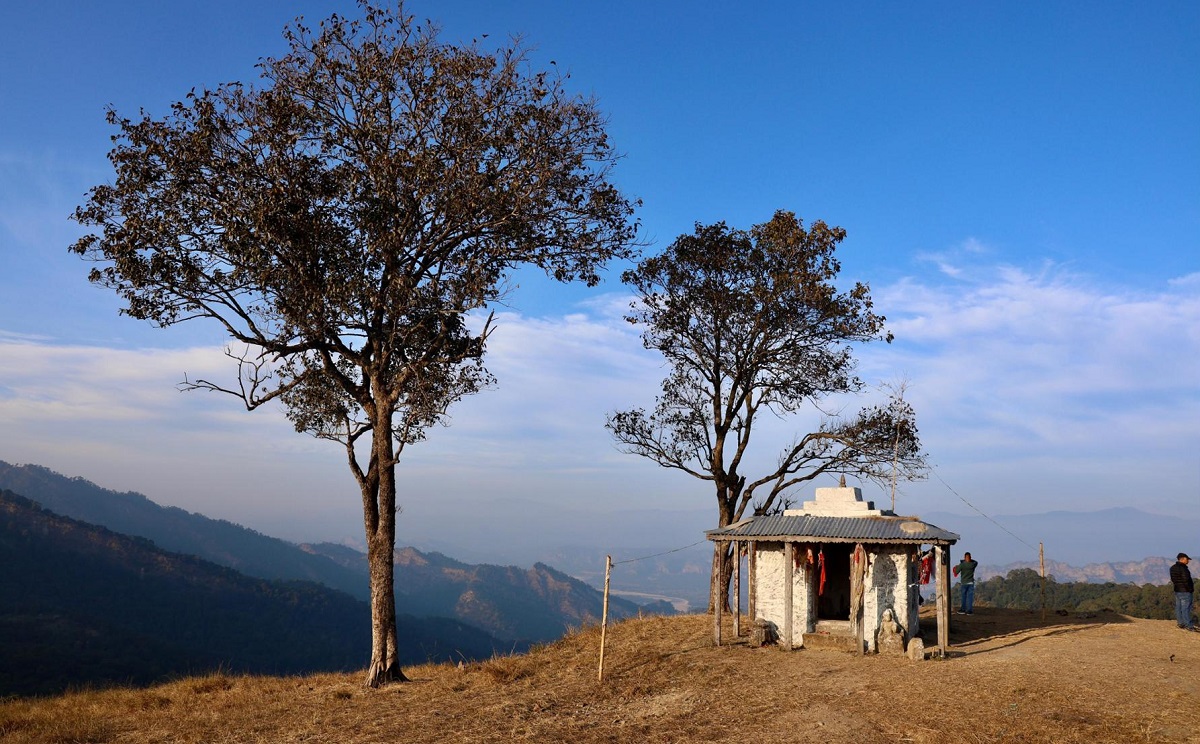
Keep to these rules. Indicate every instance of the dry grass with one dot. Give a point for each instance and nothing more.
(1010, 678)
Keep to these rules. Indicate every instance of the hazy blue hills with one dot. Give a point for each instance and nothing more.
(520, 604)
(177, 530)
(1154, 570)
(1106, 536)
(516, 605)
(83, 604)
(538, 603)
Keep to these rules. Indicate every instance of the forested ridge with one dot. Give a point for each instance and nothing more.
(85, 605)
(177, 530)
(1022, 589)
(512, 604)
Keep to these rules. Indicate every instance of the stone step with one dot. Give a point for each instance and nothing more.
(831, 642)
(836, 627)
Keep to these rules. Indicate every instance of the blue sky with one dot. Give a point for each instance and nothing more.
(1020, 184)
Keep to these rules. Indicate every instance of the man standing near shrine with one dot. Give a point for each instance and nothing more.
(965, 571)
(1181, 580)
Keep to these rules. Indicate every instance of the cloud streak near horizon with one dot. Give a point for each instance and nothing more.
(1035, 390)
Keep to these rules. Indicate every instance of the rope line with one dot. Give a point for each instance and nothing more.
(665, 552)
(978, 510)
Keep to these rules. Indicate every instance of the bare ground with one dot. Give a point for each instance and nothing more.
(1010, 678)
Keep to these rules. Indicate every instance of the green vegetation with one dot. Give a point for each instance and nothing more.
(1022, 590)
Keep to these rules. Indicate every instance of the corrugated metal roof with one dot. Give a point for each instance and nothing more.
(836, 529)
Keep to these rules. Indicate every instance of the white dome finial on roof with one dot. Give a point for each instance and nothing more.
(839, 501)
(842, 482)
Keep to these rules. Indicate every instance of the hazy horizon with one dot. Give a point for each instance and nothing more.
(505, 535)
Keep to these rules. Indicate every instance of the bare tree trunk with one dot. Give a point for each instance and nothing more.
(722, 565)
(721, 576)
(385, 663)
(380, 519)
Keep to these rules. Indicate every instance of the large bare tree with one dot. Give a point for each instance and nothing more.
(751, 322)
(343, 219)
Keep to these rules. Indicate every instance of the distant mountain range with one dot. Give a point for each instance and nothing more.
(512, 607)
(535, 604)
(516, 605)
(1145, 571)
(178, 531)
(1106, 536)
(81, 604)
(538, 603)
(658, 552)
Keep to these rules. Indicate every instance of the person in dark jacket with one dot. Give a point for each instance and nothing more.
(1181, 580)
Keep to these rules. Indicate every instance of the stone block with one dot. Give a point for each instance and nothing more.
(762, 633)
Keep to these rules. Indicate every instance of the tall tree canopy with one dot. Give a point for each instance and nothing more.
(750, 321)
(341, 220)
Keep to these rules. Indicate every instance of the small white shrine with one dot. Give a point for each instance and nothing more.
(839, 567)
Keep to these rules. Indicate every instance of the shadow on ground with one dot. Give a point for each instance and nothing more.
(992, 629)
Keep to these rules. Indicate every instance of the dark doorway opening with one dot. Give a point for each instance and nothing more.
(834, 602)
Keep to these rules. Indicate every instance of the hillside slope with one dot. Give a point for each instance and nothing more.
(81, 604)
(178, 531)
(517, 605)
(536, 604)
(1010, 678)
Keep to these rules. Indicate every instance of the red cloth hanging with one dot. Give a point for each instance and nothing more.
(926, 568)
(821, 565)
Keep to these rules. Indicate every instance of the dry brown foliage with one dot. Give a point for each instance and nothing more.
(1010, 678)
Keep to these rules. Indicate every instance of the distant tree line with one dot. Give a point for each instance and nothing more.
(1021, 589)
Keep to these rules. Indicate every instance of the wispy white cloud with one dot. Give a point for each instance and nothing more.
(954, 262)
(1050, 332)
(1051, 373)
(1034, 390)
(1188, 280)
(117, 417)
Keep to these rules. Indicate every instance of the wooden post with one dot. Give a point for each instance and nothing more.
(859, 574)
(719, 600)
(604, 614)
(1042, 561)
(737, 590)
(789, 557)
(942, 558)
(752, 578)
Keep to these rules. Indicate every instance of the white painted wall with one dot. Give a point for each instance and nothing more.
(770, 575)
(887, 586)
